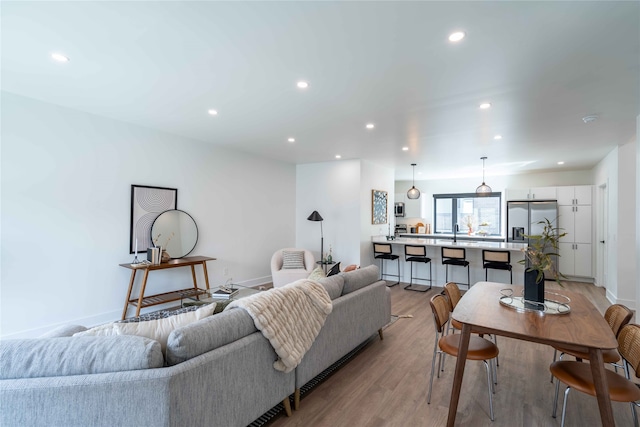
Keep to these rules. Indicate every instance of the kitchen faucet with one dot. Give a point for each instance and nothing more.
(455, 230)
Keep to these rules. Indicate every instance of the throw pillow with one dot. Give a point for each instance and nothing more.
(334, 270)
(317, 274)
(158, 329)
(292, 259)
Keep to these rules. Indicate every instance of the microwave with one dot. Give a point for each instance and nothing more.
(399, 209)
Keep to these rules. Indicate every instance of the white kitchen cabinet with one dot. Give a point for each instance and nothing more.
(575, 218)
(575, 195)
(576, 222)
(535, 193)
(575, 259)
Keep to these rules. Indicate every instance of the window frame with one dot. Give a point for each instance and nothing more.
(454, 208)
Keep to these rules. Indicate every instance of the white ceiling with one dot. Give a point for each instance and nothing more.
(162, 65)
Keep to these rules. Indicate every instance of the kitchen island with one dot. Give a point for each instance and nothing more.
(457, 274)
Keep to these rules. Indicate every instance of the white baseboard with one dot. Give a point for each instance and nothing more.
(631, 304)
(111, 316)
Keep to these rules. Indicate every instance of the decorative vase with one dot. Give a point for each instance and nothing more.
(165, 256)
(534, 289)
(470, 231)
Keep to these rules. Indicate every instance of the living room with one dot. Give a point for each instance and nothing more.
(68, 162)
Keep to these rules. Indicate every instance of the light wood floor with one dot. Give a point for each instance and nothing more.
(386, 383)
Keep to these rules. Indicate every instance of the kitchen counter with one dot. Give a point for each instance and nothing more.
(473, 253)
(461, 236)
(478, 244)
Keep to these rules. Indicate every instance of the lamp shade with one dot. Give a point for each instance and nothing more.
(413, 192)
(483, 189)
(315, 216)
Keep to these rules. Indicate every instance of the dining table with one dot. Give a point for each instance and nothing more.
(580, 328)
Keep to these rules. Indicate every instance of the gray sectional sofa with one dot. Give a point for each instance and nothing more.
(217, 371)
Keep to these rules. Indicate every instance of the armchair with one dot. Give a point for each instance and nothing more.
(282, 276)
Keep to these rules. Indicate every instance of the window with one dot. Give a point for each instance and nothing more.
(478, 215)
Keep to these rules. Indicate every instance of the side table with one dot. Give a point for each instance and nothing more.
(146, 301)
(324, 264)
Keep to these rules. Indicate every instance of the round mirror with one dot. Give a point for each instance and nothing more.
(176, 232)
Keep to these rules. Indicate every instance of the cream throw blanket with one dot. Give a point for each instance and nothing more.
(290, 317)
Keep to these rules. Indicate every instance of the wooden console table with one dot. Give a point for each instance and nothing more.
(150, 300)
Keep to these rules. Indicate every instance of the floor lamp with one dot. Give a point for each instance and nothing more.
(315, 216)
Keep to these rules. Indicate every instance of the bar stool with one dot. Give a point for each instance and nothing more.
(498, 260)
(384, 251)
(455, 256)
(414, 253)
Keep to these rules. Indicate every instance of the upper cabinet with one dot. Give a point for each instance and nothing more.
(534, 193)
(575, 195)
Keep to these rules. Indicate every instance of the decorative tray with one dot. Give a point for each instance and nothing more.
(554, 303)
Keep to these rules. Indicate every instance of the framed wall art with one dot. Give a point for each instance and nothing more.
(378, 207)
(146, 204)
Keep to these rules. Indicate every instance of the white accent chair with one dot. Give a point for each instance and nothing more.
(285, 276)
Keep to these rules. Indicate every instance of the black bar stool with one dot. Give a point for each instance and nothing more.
(414, 253)
(384, 251)
(498, 260)
(455, 256)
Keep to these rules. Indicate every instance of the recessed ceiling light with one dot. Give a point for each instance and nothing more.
(302, 84)
(497, 137)
(457, 36)
(370, 125)
(589, 119)
(291, 140)
(405, 148)
(338, 156)
(213, 112)
(59, 57)
(485, 105)
(561, 163)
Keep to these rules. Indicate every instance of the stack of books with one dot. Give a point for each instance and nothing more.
(224, 293)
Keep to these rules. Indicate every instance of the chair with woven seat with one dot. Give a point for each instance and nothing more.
(453, 294)
(617, 315)
(479, 348)
(455, 257)
(384, 251)
(496, 260)
(413, 254)
(578, 375)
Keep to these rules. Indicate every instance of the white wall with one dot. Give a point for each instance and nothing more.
(332, 189)
(341, 192)
(374, 177)
(66, 178)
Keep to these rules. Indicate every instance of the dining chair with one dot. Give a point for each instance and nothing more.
(578, 375)
(479, 348)
(453, 294)
(617, 315)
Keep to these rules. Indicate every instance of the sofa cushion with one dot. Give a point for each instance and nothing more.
(158, 329)
(356, 279)
(333, 285)
(207, 334)
(49, 357)
(317, 274)
(292, 260)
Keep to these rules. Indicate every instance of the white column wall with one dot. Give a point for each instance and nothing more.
(66, 179)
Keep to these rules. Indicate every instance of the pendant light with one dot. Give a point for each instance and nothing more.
(413, 192)
(483, 189)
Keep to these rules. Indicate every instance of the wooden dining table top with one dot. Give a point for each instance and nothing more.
(583, 327)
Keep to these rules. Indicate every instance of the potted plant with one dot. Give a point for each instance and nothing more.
(538, 260)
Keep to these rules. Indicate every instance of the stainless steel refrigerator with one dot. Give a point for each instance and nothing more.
(523, 218)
